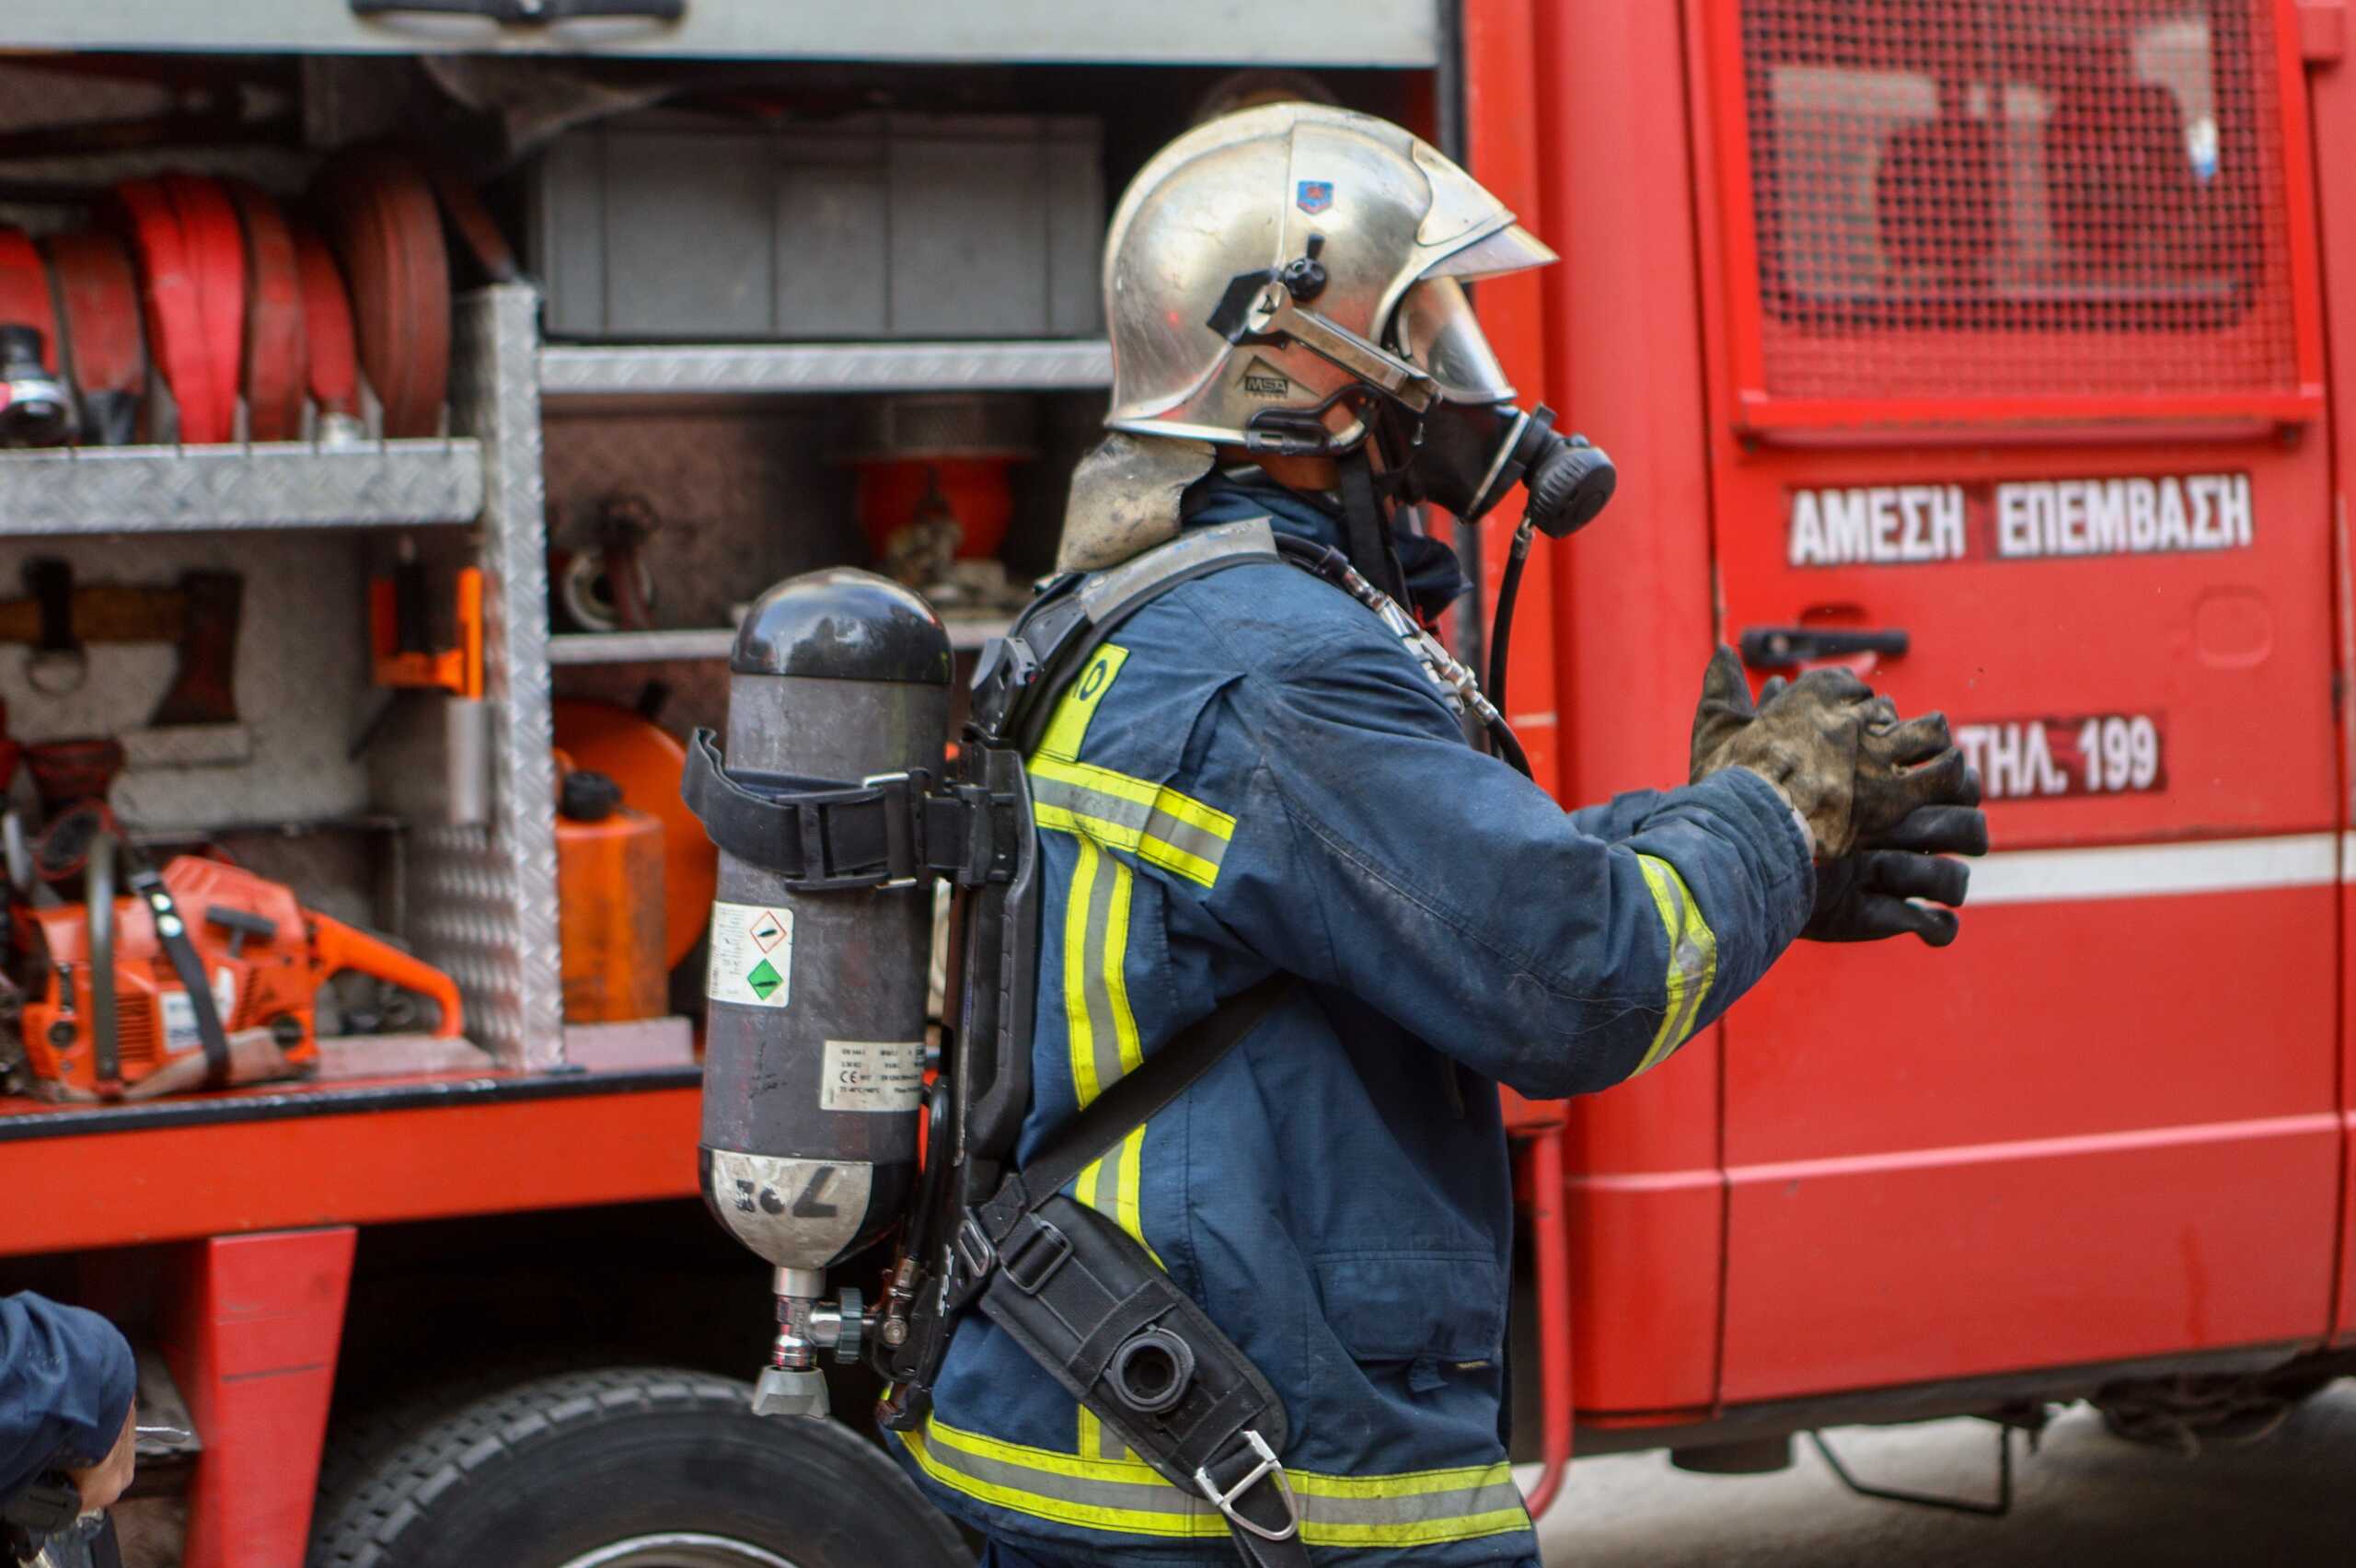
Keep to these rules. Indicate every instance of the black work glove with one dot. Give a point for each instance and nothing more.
(1871, 894)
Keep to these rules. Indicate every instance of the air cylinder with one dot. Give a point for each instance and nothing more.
(813, 1043)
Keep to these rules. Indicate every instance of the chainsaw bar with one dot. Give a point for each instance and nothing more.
(381, 221)
(274, 337)
(105, 352)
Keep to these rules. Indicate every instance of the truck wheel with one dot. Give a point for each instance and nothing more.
(630, 1467)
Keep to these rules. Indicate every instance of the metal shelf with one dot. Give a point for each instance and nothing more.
(142, 489)
(966, 633)
(617, 371)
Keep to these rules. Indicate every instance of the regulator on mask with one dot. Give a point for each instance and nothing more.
(1470, 455)
(1437, 402)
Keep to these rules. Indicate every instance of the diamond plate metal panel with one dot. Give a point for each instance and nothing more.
(826, 367)
(1325, 34)
(966, 634)
(483, 899)
(137, 489)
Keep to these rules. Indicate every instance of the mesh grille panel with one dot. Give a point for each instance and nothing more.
(1993, 198)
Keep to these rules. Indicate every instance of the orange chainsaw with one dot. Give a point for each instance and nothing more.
(214, 976)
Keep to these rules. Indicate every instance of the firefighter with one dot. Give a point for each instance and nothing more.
(1258, 774)
(66, 1381)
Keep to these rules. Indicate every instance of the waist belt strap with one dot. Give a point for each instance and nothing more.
(1088, 1303)
(821, 834)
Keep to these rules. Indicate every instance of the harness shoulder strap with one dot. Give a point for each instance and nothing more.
(1137, 1097)
(1019, 676)
(1087, 1302)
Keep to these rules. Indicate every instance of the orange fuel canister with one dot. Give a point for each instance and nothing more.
(609, 904)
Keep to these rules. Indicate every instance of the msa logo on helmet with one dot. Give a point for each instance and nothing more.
(1262, 379)
(1313, 196)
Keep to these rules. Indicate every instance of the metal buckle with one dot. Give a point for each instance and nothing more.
(1043, 1235)
(1269, 1465)
(974, 1248)
(903, 822)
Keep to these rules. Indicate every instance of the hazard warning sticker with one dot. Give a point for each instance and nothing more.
(752, 955)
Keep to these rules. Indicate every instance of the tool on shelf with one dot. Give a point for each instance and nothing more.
(201, 975)
(36, 407)
(935, 492)
(421, 640)
(647, 761)
(610, 911)
(607, 587)
(200, 614)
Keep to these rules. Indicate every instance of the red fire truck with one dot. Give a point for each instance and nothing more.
(1982, 345)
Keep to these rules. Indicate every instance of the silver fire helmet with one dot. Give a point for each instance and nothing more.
(1269, 265)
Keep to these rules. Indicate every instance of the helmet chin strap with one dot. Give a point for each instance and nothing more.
(1367, 526)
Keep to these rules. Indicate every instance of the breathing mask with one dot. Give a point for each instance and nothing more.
(1470, 444)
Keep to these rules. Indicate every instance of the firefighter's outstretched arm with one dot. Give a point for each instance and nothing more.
(1386, 857)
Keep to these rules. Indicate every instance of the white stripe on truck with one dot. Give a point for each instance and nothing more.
(2154, 870)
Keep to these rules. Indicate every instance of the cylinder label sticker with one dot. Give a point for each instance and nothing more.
(752, 955)
(873, 1075)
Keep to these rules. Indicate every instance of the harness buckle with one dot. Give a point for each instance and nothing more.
(1044, 1243)
(974, 1248)
(903, 822)
(1269, 1465)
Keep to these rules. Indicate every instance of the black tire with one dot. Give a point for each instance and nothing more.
(548, 1472)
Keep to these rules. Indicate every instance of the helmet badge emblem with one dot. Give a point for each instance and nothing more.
(1314, 195)
(1262, 379)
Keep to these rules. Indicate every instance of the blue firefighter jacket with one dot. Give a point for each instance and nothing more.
(65, 1385)
(1252, 773)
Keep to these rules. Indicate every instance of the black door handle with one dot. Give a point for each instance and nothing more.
(527, 13)
(1783, 647)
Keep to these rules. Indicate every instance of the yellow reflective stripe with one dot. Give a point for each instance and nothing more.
(1085, 1082)
(1102, 1516)
(1693, 958)
(1105, 1043)
(1098, 1441)
(1128, 1184)
(1068, 726)
(1421, 1508)
(1119, 836)
(1161, 797)
(1114, 940)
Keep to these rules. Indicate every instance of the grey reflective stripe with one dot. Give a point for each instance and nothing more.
(1103, 594)
(1151, 822)
(1104, 1028)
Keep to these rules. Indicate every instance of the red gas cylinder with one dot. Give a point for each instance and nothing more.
(940, 458)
